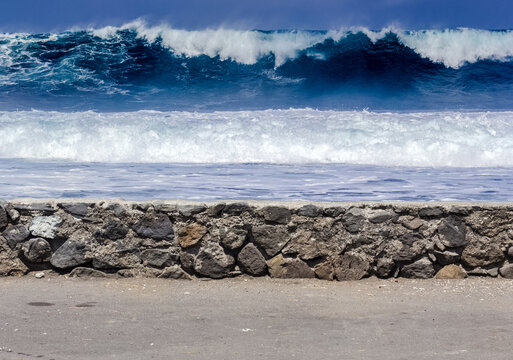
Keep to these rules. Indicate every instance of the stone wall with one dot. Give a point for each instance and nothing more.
(331, 241)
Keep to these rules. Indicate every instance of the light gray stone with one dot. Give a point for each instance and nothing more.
(174, 272)
(384, 267)
(45, 226)
(232, 238)
(84, 272)
(381, 216)
(507, 271)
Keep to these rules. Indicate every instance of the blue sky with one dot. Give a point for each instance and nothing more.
(55, 15)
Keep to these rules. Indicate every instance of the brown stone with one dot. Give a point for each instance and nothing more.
(286, 268)
(451, 272)
(190, 235)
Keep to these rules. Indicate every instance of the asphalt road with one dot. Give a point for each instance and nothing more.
(58, 318)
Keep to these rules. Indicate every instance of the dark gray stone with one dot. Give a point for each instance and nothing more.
(37, 250)
(237, 208)
(251, 261)
(309, 211)
(216, 209)
(431, 212)
(507, 271)
(510, 252)
(276, 214)
(411, 246)
(333, 211)
(118, 209)
(420, 269)
(3, 218)
(452, 232)
(114, 230)
(155, 226)
(232, 238)
(159, 258)
(286, 268)
(478, 272)
(271, 238)
(116, 257)
(76, 209)
(190, 210)
(354, 219)
(29, 209)
(446, 257)
(75, 251)
(350, 267)
(15, 234)
(187, 260)
(381, 216)
(211, 261)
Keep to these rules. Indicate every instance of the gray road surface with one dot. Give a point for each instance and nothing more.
(58, 318)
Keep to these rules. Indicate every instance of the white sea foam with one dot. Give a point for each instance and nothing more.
(453, 47)
(270, 136)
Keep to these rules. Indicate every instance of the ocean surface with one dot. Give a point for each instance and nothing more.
(142, 112)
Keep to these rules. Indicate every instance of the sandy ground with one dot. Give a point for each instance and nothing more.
(59, 318)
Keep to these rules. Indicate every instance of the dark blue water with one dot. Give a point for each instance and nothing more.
(135, 67)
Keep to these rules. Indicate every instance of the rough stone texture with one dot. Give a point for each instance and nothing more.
(174, 272)
(271, 238)
(330, 241)
(420, 269)
(115, 230)
(354, 219)
(507, 271)
(15, 234)
(87, 273)
(286, 268)
(76, 209)
(384, 267)
(446, 257)
(276, 214)
(350, 267)
(451, 272)
(74, 252)
(251, 261)
(10, 263)
(309, 211)
(155, 226)
(381, 216)
(481, 252)
(211, 261)
(45, 226)
(159, 258)
(37, 250)
(3, 218)
(190, 235)
(232, 238)
(452, 232)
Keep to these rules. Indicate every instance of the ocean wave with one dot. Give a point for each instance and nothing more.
(451, 47)
(460, 139)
